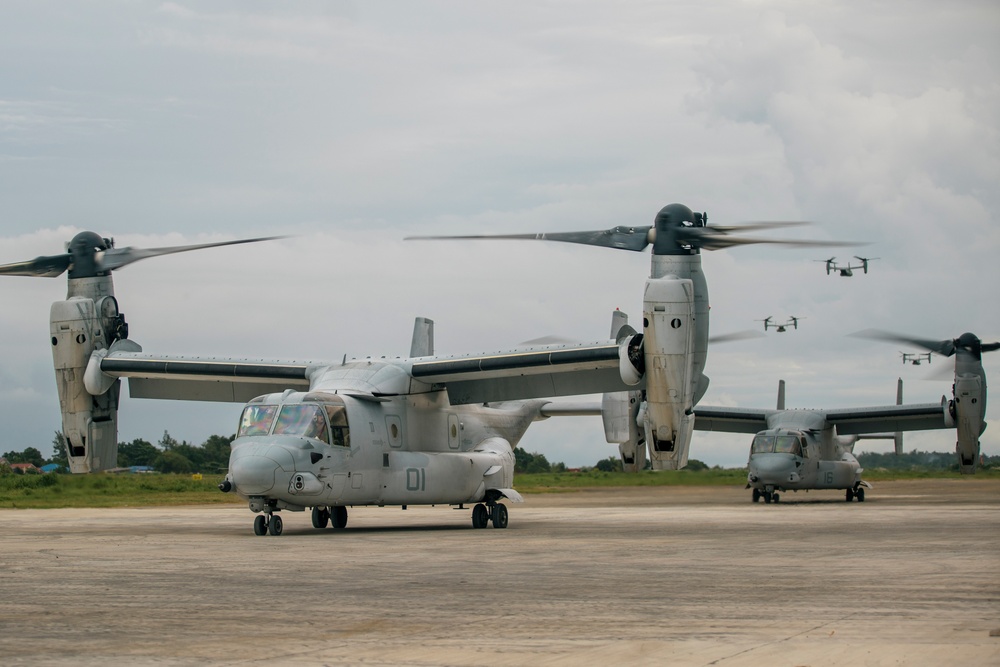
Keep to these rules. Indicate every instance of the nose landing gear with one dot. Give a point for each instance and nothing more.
(767, 494)
(267, 524)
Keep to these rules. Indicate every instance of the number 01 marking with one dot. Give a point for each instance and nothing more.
(416, 479)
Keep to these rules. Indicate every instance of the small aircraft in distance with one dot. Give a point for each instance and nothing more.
(780, 328)
(846, 271)
(916, 358)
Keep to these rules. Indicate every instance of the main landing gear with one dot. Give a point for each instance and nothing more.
(495, 512)
(335, 516)
(858, 493)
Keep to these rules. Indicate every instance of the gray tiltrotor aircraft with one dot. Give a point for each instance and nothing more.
(916, 358)
(796, 450)
(846, 271)
(425, 429)
(792, 322)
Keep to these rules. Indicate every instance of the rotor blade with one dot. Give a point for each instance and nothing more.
(943, 347)
(704, 238)
(991, 347)
(40, 267)
(756, 226)
(119, 257)
(623, 238)
(735, 336)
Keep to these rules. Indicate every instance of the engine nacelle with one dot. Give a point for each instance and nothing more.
(89, 423)
(968, 411)
(668, 341)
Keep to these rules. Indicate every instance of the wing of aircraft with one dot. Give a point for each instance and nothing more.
(731, 420)
(889, 418)
(520, 373)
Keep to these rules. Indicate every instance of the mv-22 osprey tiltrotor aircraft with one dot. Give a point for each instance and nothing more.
(421, 430)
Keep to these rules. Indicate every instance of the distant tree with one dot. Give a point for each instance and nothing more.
(525, 462)
(216, 453)
(172, 461)
(559, 467)
(59, 455)
(139, 452)
(610, 464)
(695, 465)
(29, 455)
(167, 442)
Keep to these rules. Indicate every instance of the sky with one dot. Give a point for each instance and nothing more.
(348, 126)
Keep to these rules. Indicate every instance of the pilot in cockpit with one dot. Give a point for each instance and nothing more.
(317, 428)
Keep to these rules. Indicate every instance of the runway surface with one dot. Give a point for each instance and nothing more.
(685, 576)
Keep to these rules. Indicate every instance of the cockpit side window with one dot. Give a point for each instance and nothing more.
(256, 420)
(337, 415)
(762, 444)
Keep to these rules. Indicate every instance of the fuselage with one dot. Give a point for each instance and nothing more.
(320, 448)
(800, 451)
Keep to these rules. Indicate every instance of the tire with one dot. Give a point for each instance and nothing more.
(260, 525)
(756, 495)
(499, 515)
(767, 497)
(274, 526)
(850, 495)
(775, 497)
(860, 495)
(480, 516)
(320, 517)
(338, 517)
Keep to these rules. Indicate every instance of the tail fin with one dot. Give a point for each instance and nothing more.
(898, 438)
(781, 395)
(422, 344)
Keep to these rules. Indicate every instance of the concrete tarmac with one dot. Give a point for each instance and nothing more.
(680, 576)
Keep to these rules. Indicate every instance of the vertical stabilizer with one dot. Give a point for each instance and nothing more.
(898, 437)
(422, 344)
(781, 394)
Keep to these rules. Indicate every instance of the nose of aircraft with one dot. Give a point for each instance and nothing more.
(771, 468)
(253, 467)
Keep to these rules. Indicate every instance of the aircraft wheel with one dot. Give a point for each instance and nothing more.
(260, 525)
(850, 495)
(775, 497)
(274, 526)
(499, 515)
(860, 494)
(767, 497)
(338, 517)
(480, 516)
(320, 517)
(756, 495)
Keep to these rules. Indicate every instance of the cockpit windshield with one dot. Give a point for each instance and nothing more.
(787, 444)
(256, 420)
(303, 419)
(762, 444)
(782, 444)
(323, 418)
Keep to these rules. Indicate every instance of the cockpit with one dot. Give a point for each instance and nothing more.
(779, 442)
(314, 415)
